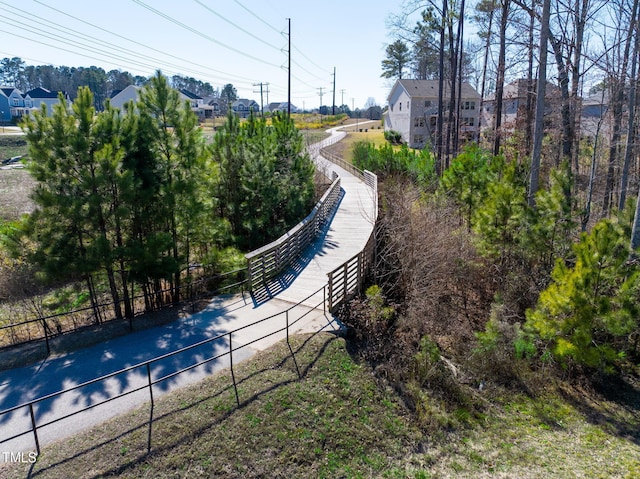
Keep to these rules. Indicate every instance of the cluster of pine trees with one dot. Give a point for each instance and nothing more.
(134, 197)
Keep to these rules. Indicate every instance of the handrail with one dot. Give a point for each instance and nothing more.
(147, 365)
(273, 258)
(45, 331)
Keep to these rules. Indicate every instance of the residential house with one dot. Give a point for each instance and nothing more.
(11, 104)
(119, 98)
(515, 97)
(211, 107)
(244, 107)
(280, 106)
(34, 99)
(413, 110)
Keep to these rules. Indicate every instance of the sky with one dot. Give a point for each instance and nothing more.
(242, 42)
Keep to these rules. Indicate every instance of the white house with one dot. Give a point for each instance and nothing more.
(413, 110)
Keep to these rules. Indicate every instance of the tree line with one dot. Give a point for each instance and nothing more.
(133, 198)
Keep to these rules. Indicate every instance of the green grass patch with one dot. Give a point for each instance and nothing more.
(12, 145)
(338, 421)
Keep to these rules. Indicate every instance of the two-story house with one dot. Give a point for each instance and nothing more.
(413, 110)
(244, 107)
(34, 99)
(11, 104)
(515, 97)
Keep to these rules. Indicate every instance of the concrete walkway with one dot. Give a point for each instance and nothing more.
(342, 239)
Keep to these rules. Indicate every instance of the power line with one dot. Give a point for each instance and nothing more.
(210, 10)
(200, 34)
(125, 38)
(257, 17)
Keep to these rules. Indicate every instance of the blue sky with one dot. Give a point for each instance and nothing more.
(242, 42)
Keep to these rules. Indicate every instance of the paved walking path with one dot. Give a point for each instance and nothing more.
(342, 239)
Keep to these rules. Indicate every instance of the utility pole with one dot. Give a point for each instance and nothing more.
(320, 93)
(333, 108)
(342, 93)
(261, 103)
(289, 68)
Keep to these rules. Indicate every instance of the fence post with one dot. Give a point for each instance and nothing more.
(330, 284)
(46, 335)
(150, 410)
(233, 376)
(34, 427)
(345, 273)
(286, 314)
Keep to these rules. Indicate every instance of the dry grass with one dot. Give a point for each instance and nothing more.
(338, 422)
(15, 187)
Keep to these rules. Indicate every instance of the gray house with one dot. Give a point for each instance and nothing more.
(119, 98)
(244, 107)
(34, 99)
(413, 110)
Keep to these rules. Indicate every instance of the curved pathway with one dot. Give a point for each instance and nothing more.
(342, 239)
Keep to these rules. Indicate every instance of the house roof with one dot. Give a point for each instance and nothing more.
(7, 90)
(273, 106)
(42, 93)
(518, 89)
(244, 101)
(190, 95)
(429, 89)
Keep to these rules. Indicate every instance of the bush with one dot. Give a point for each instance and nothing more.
(392, 136)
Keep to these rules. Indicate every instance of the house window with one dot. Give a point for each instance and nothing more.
(468, 121)
(407, 105)
(418, 121)
(400, 106)
(469, 105)
(427, 103)
(15, 102)
(432, 121)
(418, 138)
(392, 107)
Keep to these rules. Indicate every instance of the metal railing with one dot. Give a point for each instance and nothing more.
(146, 369)
(270, 260)
(51, 326)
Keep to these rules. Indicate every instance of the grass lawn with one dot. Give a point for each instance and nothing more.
(337, 421)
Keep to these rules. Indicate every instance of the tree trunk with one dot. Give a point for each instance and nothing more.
(497, 124)
(440, 119)
(629, 147)
(540, 91)
(617, 101)
(484, 73)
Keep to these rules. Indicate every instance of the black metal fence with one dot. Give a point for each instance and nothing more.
(31, 407)
(51, 326)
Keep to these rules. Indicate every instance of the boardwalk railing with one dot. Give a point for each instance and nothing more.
(347, 280)
(270, 260)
